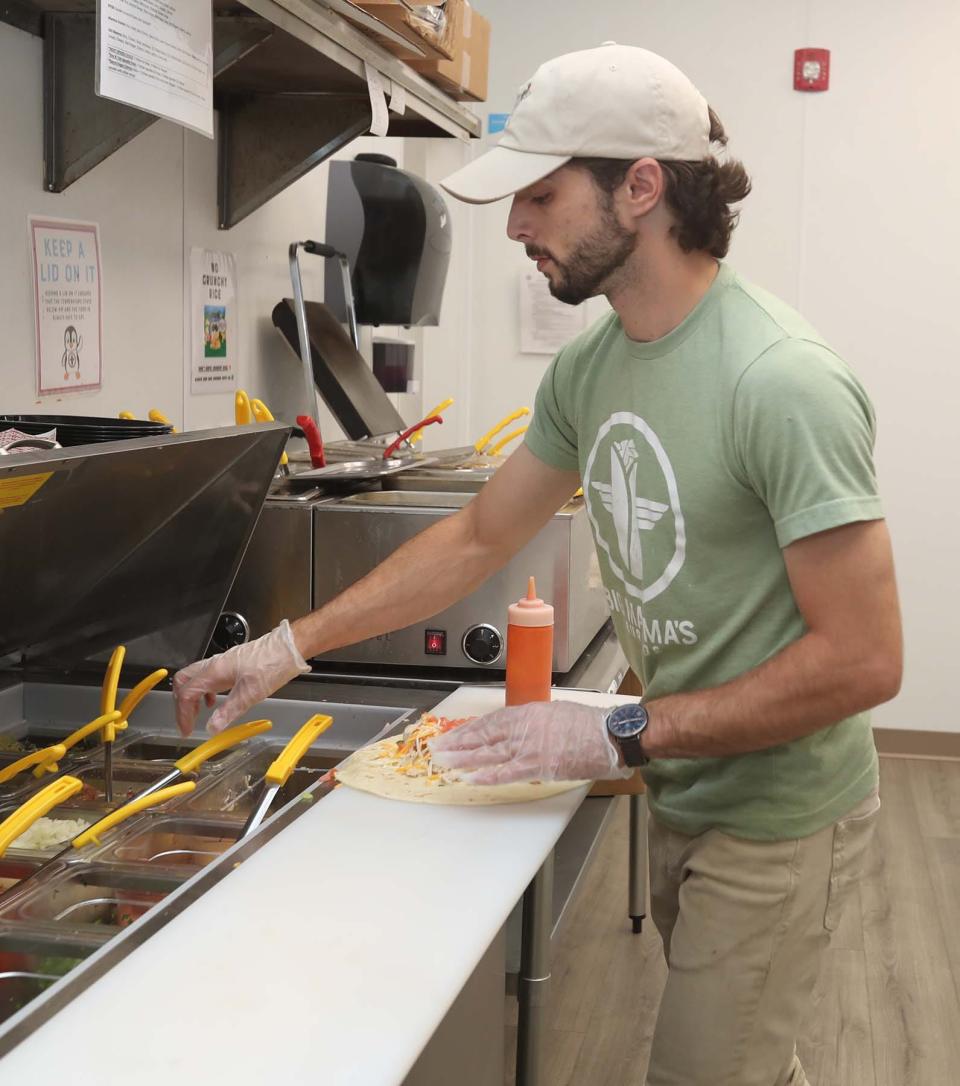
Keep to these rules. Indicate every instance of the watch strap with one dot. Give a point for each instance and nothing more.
(630, 745)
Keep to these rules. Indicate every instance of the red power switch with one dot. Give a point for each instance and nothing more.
(811, 69)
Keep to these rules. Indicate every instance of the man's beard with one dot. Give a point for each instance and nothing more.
(596, 257)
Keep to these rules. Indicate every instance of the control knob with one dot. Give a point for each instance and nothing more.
(232, 629)
(483, 644)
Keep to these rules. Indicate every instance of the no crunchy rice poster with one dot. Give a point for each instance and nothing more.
(68, 300)
(213, 316)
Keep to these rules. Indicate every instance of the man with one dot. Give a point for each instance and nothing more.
(725, 454)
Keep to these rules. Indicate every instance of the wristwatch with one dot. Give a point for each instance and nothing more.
(625, 726)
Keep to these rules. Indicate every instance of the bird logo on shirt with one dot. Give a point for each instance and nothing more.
(631, 513)
(627, 462)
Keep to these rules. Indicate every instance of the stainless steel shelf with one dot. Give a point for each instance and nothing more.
(289, 84)
(313, 23)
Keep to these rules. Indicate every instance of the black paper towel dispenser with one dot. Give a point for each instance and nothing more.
(395, 230)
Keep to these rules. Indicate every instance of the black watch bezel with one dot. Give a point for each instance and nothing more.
(625, 726)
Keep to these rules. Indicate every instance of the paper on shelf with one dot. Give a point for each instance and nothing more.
(379, 121)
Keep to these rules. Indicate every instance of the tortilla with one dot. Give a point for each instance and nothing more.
(373, 769)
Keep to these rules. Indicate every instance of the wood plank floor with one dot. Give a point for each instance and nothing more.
(886, 1011)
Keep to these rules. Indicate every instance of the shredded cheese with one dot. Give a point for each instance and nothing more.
(410, 754)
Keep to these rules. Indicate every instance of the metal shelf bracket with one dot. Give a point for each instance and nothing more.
(266, 142)
(81, 129)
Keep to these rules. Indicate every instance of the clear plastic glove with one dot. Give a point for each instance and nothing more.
(542, 741)
(251, 672)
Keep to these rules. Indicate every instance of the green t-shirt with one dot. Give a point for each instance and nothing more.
(702, 454)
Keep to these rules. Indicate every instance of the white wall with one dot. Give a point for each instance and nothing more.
(854, 219)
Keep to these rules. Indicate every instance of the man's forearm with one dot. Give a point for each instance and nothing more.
(802, 689)
(422, 577)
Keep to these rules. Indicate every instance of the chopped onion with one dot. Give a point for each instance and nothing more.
(45, 833)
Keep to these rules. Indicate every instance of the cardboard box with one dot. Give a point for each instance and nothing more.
(436, 42)
(464, 76)
(632, 786)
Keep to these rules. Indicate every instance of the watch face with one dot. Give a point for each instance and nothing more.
(627, 721)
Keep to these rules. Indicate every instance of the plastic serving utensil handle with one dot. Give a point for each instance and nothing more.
(502, 424)
(242, 411)
(391, 449)
(314, 441)
(281, 768)
(140, 691)
(438, 410)
(88, 729)
(262, 413)
(44, 759)
(111, 680)
(93, 833)
(506, 440)
(158, 416)
(226, 739)
(36, 807)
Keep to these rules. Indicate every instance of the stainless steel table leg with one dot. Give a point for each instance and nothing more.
(637, 893)
(534, 980)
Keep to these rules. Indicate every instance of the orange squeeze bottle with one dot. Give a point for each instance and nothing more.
(529, 649)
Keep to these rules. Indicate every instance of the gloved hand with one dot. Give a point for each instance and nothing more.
(251, 672)
(541, 741)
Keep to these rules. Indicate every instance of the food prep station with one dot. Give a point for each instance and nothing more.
(75, 927)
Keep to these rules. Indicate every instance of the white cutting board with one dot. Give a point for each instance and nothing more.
(477, 700)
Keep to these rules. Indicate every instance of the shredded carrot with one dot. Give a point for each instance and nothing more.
(409, 755)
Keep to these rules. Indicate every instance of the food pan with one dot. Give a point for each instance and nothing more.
(164, 748)
(234, 792)
(79, 897)
(66, 819)
(130, 778)
(175, 842)
(14, 791)
(32, 960)
(19, 741)
(13, 872)
(15, 749)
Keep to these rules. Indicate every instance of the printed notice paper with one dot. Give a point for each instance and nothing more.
(157, 55)
(213, 320)
(546, 325)
(379, 120)
(66, 272)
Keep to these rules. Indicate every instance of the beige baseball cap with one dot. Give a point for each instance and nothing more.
(615, 101)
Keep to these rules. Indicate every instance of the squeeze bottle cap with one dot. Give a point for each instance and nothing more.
(531, 611)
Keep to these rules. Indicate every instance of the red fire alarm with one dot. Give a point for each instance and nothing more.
(811, 69)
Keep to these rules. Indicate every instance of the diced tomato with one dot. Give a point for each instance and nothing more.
(13, 963)
(449, 725)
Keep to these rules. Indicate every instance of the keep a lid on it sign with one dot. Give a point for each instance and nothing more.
(68, 305)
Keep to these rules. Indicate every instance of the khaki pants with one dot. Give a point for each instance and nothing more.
(744, 924)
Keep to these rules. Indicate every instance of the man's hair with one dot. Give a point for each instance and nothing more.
(699, 193)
